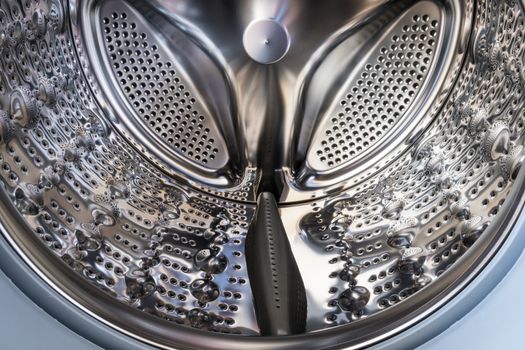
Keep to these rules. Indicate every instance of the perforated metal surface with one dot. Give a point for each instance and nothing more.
(386, 240)
(108, 215)
(380, 90)
(441, 85)
(148, 78)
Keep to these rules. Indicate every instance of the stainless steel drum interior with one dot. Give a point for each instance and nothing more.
(285, 173)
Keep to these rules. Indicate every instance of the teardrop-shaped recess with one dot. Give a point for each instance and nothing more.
(168, 87)
(371, 92)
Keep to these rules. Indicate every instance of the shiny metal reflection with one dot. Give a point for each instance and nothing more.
(135, 137)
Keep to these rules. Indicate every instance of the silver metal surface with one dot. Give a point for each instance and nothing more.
(135, 136)
(266, 41)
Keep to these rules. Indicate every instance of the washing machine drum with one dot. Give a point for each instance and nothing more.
(286, 174)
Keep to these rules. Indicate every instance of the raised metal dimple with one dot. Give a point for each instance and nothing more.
(481, 44)
(211, 261)
(56, 15)
(477, 121)
(496, 142)
(354, 299)
(37, 25)
(23, 107)
(16, 33)
(47, 92)
(204, 290)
